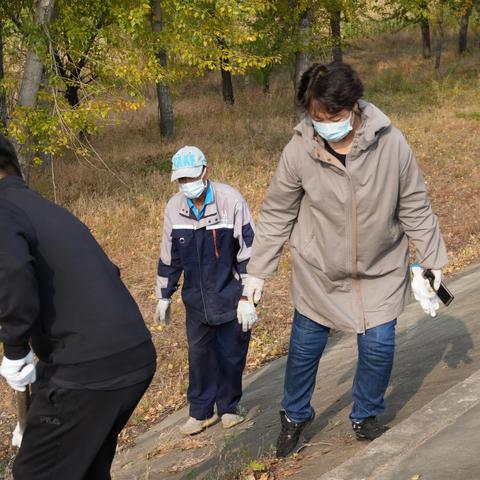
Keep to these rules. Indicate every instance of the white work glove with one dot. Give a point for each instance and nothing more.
(19, 373)
(253, 289)
(17, 436)
(423, 291)
(437, 279)
(163, 312)
(246, 314)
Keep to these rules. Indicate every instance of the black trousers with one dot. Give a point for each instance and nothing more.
(72, 434)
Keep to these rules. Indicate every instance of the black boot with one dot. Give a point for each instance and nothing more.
(291, 439)
(369, 429)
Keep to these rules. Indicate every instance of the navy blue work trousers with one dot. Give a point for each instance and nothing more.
(217, 356)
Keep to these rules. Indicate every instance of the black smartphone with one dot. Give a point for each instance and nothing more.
(443, 293)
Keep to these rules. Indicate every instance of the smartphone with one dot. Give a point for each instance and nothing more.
(443, 293)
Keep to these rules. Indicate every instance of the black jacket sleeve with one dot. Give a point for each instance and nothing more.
(19, 299)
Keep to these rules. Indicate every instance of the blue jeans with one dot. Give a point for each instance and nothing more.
(375, 360)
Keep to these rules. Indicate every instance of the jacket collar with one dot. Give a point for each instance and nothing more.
(315, 145)
(12, 181)
(374, 122)
(210, 217)
(209, 198)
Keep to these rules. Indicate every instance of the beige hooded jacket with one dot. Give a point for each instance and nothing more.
(348, 227)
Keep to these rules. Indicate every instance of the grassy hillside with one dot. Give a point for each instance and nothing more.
(124, 209)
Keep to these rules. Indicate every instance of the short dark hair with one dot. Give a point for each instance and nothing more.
(8, 158)
(336, 86)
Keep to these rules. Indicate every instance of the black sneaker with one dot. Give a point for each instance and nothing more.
(291, 439)
(369, 429)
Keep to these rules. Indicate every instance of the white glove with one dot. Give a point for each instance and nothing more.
(437, 275)
(247, 315)
(17, 436)
(253, 289)
(19, 373)
(423, 292)
(163, 312)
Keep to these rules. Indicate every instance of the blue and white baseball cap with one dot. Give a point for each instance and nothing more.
(188, 162)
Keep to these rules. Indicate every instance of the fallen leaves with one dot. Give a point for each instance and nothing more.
(183, 444)
(188, 462)
(263, 476)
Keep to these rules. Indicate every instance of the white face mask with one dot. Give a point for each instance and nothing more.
(334, 131)
(193, 190)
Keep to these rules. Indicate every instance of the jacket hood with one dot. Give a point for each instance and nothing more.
(374, 122)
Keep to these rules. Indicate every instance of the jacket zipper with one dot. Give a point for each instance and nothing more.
(200, 274)
(356, 282)
(353, 207)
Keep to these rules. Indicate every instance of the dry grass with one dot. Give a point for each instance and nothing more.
(243, 144)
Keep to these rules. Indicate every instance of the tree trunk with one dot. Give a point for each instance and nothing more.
(463, 33)
(44, 103)
(266, 79)
(335, 28)
(71, 95)
(32, 72)
(32, 78)
(3, 96)
(165, 106)
(440, 33)
(227, 87)
(426, 45)
(302, 57)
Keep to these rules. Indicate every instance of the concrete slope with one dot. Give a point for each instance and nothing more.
(433, 354)
(441, 441)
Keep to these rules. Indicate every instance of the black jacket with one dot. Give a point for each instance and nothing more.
(57, 286)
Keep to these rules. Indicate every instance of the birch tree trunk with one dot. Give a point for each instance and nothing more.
(165, 106)
(32, 78)
(302, 57)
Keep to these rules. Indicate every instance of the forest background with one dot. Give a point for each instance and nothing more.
(98, 95)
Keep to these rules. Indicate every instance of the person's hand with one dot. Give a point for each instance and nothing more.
(246, 314)
(163, 312)
(19, 373)
(253, 289)
(17, 436)
(423, 291)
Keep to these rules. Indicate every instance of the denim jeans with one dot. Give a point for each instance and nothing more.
(375, 360)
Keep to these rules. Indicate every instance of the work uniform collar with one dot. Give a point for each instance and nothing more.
(210, 216)
(209, 198)
(12, 181)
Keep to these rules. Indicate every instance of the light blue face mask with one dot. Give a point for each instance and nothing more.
(334, 131)
(193, 190)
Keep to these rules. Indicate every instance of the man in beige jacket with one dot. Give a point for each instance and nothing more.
(347, 195)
